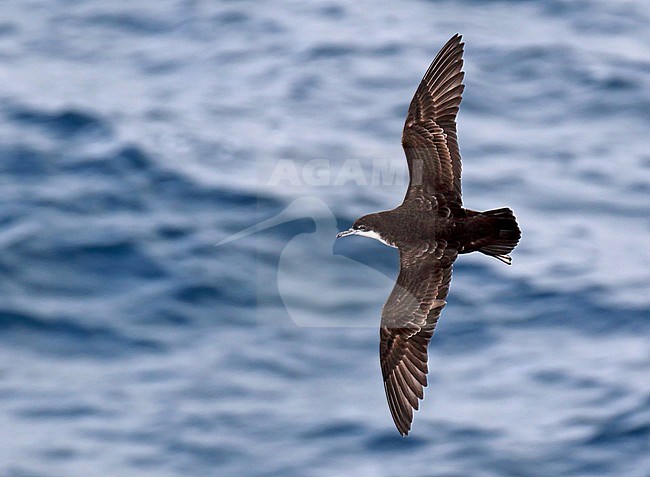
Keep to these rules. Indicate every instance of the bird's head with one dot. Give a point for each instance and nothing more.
(366, 226)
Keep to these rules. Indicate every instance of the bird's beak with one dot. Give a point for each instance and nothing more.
(345, 232)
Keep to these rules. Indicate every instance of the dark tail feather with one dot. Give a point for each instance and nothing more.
(506, 234)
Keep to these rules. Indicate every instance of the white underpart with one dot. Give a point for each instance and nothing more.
(374, 235)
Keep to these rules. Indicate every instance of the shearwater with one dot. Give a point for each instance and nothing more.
(430, 229)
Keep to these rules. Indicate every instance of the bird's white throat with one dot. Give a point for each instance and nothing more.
(374, 235)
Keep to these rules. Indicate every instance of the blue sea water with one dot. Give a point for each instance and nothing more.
(136, 135)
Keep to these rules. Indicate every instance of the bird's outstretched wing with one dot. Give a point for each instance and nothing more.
(429, 137)
(407, 323)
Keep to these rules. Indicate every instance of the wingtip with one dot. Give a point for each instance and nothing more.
(403, 429)
(507, 259)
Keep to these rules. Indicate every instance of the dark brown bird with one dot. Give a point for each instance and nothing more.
(430, 229)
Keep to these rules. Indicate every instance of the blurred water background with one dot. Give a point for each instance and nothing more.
(135, 135)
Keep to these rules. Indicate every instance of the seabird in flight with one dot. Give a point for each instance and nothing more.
(430, 229)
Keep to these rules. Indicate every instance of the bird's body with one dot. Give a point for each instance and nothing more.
(430, 229)
(422, 222)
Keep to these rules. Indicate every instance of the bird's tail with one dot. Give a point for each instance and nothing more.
(505, 234)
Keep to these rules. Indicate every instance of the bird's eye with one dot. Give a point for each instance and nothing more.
(361, 227)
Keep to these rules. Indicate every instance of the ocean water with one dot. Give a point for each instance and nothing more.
(137, 135)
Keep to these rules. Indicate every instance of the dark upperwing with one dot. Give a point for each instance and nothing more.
(429, 137)
(408, 319)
